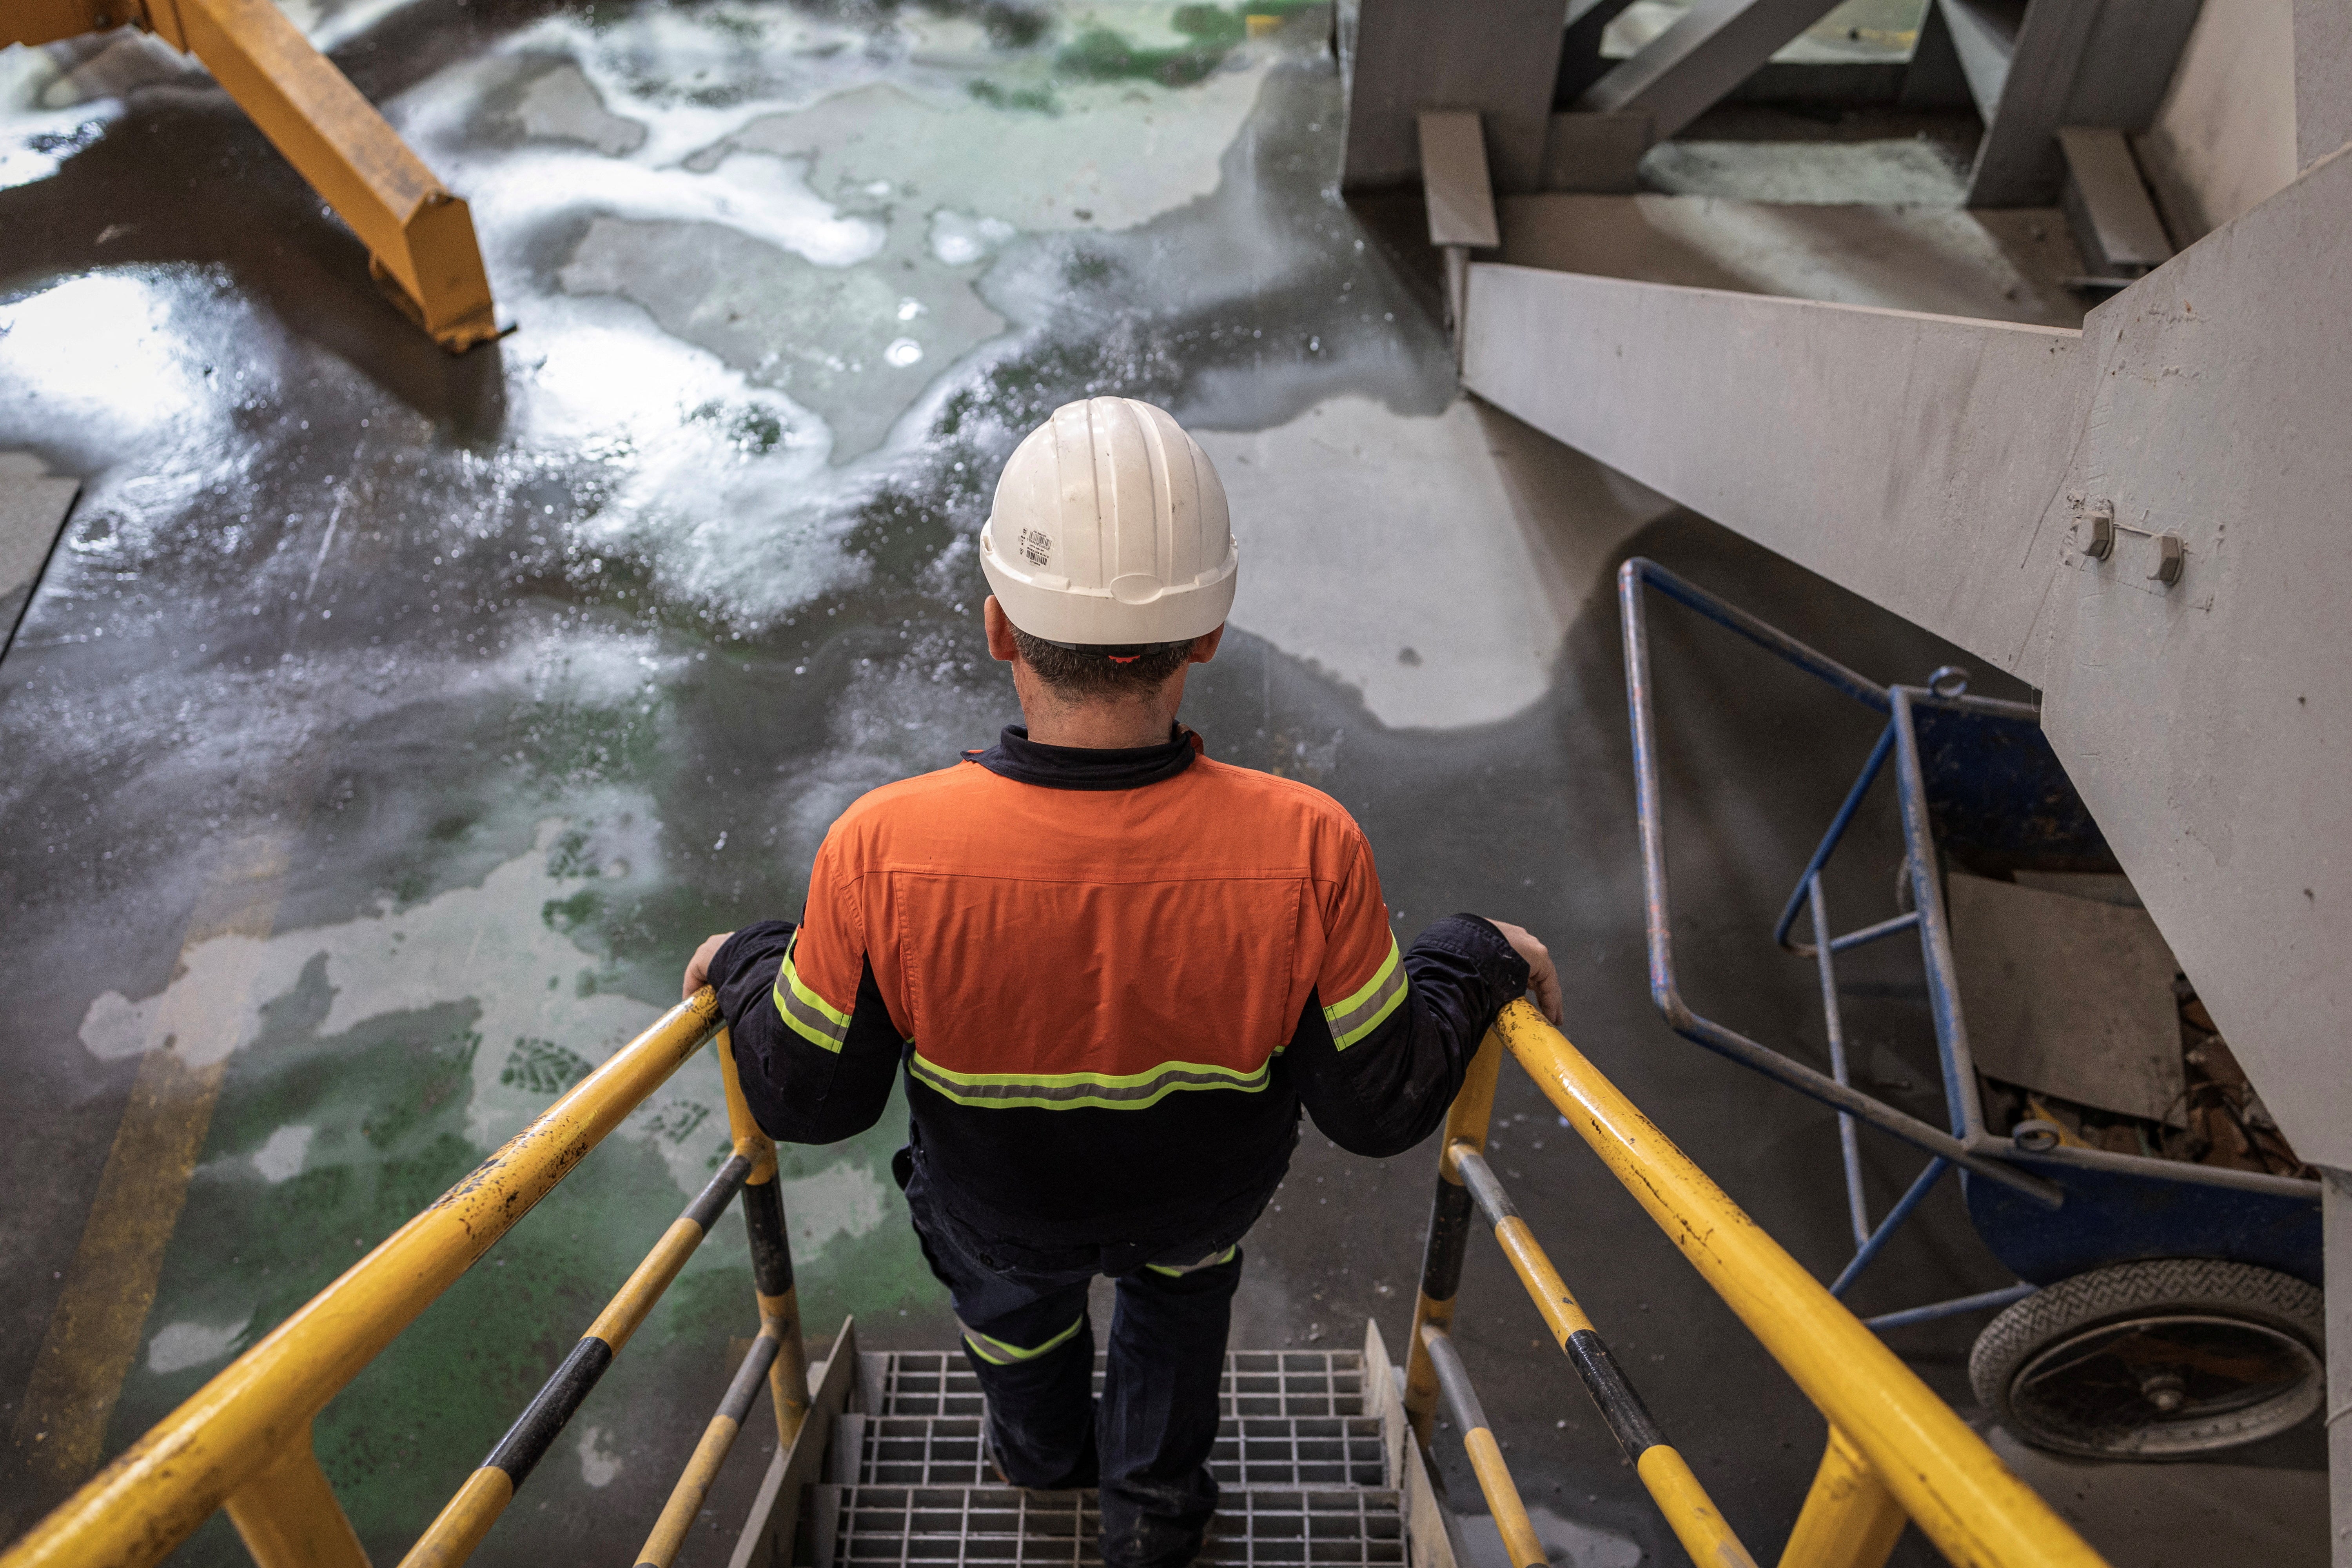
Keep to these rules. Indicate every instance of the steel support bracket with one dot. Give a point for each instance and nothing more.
(422, 251)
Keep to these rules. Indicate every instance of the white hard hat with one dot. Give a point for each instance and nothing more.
(1110, 528)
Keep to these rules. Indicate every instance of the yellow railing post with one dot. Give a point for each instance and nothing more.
(1850, 1519)
(288, 1515)
(1943, 1476)
(1449, 1232)
(1504, 1504)
(1697, 1523)
(771, 1257)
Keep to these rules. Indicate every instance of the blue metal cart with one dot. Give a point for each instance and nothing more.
(2164, 1308)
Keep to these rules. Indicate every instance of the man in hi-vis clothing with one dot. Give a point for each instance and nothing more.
(1114, 971)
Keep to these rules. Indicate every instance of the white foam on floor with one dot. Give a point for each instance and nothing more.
(1566, 1542)
(281, 1155)
(176, 1347)
(77, 346)
(718, 518)
(842, 1200)
(598, 1466)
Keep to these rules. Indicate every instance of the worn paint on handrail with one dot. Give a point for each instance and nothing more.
(1957, 1491)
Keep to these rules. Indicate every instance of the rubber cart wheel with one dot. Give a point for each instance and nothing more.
(2149, 1359)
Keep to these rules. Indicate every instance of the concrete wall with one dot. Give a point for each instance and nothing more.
(2224, 137)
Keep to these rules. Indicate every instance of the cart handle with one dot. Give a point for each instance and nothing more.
(1663, 991)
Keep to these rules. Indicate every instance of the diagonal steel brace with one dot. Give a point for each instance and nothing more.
(421, 248)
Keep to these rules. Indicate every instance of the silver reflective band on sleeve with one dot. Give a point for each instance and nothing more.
(810, 1015)
(1360, 1014)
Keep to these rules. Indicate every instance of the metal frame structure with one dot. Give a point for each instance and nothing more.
(1967, 1145)
(422, 252)
(242, 1441)
(1895, 1453)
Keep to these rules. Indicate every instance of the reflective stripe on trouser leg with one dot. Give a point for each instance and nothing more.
(996, 1353)
(1041, 1410)
(1161, 1405)
(1179, 1270)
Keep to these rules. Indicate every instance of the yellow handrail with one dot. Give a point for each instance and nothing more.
(1942, 1474)
(244, 1433)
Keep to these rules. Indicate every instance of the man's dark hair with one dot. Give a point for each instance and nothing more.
(1082, 672)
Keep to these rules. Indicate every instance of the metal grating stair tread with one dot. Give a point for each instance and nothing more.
(1256, 1527)
(1255, 1451)
(1256, 1382)
(1299, 1456)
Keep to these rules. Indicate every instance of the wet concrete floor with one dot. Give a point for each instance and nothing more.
(386, 727)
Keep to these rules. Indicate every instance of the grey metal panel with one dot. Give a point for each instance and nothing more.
(1595, 153)
(2323, 101)
(1908, 457)
(1934, 79)
(1499, 57)
(2069, 997)
(2130, 61)
(1984, 36)
(1453, 182)
(2017, 160)
(2209, 726)
(1946, 261)
(1688, 68)
(1580, 61)
(2119, 216)
(1934, 465)
(2073, 63)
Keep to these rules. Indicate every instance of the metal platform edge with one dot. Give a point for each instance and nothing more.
(768, 1531)
(1429, 1543)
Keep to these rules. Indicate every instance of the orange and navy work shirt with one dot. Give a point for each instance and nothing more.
(1111, 979)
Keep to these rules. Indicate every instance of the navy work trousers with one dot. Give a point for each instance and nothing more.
(1027, 1335)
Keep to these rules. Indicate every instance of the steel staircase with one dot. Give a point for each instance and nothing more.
(1308, 1458)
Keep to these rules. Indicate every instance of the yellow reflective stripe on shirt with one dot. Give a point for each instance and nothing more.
(1076, 1091)
(1365, 1011)
(996, 1353)
(812, 1017)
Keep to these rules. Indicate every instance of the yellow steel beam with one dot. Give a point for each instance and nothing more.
(1951, 1484)
(46, 21)
(243, 1421)
(420, 238)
